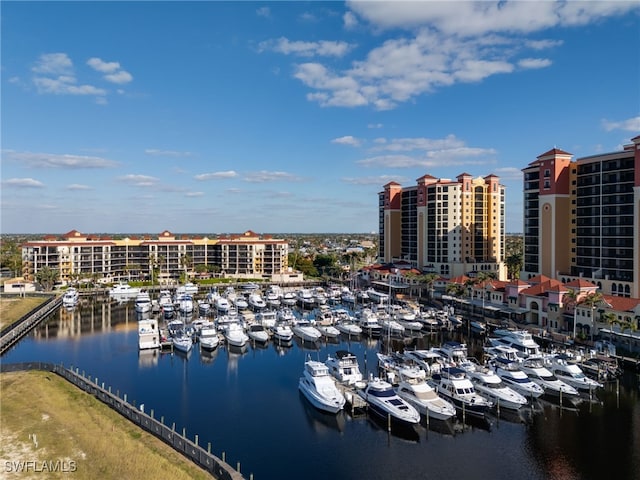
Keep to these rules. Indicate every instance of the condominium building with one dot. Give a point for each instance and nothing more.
(582, 219)
(77, 255)
(448, 227)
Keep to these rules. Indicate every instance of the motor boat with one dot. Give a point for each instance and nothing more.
(305, 298)
(535, 368)
(235, 335)
(385, 402)
(148, 334)
(282, 333)
(307, 332)
(368, 322)
(349, 328)
(328, 331)
(452, 352)
(182, 343)
(256, 302)
(188, 288)
(319, 387)
(490, 385)
(204, 307)
(143, 302)
(413, 388)
(185, 303)
(209, 339)
(221, 304)
(521, 340)
(344, 367)
(240, 303)
(565, 368)
(428, 360)
(453, 385)
(124, 290)
(266, 318)
(512, 375)
(258, 333)
(289, 299)
(70, 297)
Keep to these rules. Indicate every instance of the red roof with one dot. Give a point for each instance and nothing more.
(554, 151)
(581, 283)
(621, 304)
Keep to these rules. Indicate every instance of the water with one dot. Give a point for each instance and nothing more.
(247, 405)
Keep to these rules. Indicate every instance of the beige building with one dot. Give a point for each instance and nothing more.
(448, 227)
(76, 256)
(582, 219)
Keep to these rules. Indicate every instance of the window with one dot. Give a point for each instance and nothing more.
(547, 172)
(547, 184)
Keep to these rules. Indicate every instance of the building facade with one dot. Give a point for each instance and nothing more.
(76, 255)
(447, 227)
(582, 219)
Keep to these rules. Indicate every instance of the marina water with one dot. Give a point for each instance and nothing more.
(246, 404)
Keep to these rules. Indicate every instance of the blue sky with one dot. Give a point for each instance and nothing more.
(220, 117)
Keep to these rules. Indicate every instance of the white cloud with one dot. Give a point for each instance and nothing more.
(166, 153)
(629, 125)
(543, 44)
(350, 20)
(102, 66)
(375, 125)
(113, 72)
(65, 85)
(347, 140)
(266, 176)
(377, 180)
(216, 175)
(194, 194)
(263, 12)
(52, 160)
(53, 64)
(534, 63)
(78, 187)
(23, 183)
(139, 180)
(508, 173)
(306, 49)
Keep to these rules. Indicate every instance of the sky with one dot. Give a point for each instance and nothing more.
(223, 117)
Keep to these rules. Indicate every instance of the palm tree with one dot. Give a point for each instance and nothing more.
(591, 300)
(514, 265)
(609, 318)
(186, 262)
(572, 297)
(47, 277)
(481, 279)
(428, 279)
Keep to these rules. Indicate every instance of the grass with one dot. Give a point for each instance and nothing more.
(13, 308)
(72, 426)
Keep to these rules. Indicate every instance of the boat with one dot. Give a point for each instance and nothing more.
(273, 296)
(182, 343)
(256, 302)
(413, 388)
(221, 304)
(452, 352)
(391, 327)
(428, 360)
(70, 297)
(285, 314)
(204, 307)
(148, 334)
(328, 331)
(512, 375)
(565, 368)
(235, 335)
(124, 290)
(305, 298)
(209, 339)
(536, 370)
(368, 322)
(385, 402)
(490, 385)
(282, 333)
(319, 296)
(258, 333)
(319, 387)
(289, 299)
(168, 310)
(521, 340)
(477, 327)
(349, 328)
(453, 385)
(185, 303)
(240, 303)
(187, 288)
(376, 297)
(344, 367)
(143, 302)
(305, 331)
(266, 318)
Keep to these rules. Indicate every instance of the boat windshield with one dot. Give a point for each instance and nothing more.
(382, 393)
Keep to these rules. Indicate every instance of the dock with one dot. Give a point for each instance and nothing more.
(355, 401)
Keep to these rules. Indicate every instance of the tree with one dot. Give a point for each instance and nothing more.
(514, 265)
(481, 279)
(11, 256)
(610, 319)
(47, 277)
(428, 279)
(591, 300)
(186, 261)
(572, 296)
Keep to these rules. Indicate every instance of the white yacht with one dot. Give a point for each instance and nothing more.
(221, 304)
(344, 367)
(305, 298)
(258, 333)
(185, 303)
(70, 297)
(377, 297)
(569, 372)
(452, 352)
(428, 360)
(521, 340)
(368, 322)
(209, 339)
(319, 387)
(143, 302)
(256, 302)
(384, 401)
(148, 334)
(124, 290)
(328, 331)
(282, 333)
(511, 374)
(188, 288)
(349, 328)
(204, 307)
(273, 296)
(266, 318)
(534, 367)
(182, 343)
(490, 385)
(240, 303)
(413, 388)
(235, 335)
(453, 385)
(289, 299)
(304, 330)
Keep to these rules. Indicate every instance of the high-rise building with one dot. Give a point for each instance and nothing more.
(448, 227)
(582, 218)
